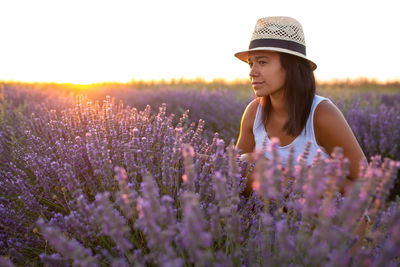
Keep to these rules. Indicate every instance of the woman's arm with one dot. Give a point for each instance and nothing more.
(246, 141)
(332, 130)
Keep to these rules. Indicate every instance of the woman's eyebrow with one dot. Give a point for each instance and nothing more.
(259, 57)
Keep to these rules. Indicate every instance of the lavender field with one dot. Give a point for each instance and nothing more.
(151, 177)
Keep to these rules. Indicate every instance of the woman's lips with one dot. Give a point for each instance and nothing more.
(256, 84)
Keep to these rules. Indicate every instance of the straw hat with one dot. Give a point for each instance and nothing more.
(280, 34)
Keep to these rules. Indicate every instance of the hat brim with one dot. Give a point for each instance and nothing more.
(244, 55)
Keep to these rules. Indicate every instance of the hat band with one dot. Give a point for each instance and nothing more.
(290, 45)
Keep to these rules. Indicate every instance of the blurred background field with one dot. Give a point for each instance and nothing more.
(241, 87)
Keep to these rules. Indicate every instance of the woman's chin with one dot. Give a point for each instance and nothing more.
(258, 93)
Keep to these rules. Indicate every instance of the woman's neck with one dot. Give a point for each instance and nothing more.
(278, 105)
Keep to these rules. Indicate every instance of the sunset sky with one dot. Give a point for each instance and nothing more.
(89, 41)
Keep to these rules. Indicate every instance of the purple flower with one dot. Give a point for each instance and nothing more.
(195, 239)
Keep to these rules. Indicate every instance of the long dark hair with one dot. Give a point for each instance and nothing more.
(299, 93)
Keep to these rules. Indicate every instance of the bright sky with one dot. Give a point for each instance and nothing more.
(88, 41)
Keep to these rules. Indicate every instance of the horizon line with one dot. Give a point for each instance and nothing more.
(361, 79)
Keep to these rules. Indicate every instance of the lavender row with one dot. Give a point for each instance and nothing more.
(77, 150)
(375, 120)
(374, 117)
(100, 185)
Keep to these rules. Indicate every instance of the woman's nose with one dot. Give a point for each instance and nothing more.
(253, 71)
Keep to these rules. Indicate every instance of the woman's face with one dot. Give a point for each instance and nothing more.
(266, 73)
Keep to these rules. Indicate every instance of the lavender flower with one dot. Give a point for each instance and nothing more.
(70, 249)
(195, 239)
(6, 262)
(157, 221)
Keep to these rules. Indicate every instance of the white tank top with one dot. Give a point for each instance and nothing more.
(298, 143)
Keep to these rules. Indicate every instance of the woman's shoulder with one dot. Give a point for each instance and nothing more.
(246, 136)
(319, 99)
(326, 111)
(251, 108)
(253, 105)
(250, 113)
(329, 123)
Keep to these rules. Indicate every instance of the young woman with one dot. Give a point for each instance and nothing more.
(286, 105)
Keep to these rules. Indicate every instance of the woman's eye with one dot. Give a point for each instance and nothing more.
(262, 62)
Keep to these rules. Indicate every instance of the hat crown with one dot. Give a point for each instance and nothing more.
(281, 28)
